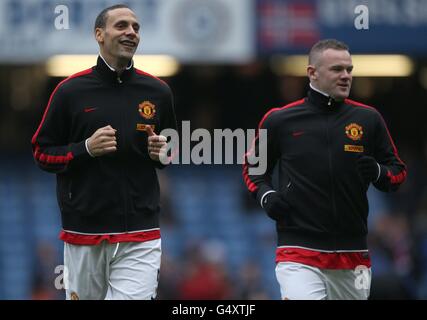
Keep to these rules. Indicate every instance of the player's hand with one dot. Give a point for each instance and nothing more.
(156, 145)
(275, 205)
(103, 141)
(368, 168)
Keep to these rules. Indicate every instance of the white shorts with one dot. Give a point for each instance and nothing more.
(120, 271)
(302, 282)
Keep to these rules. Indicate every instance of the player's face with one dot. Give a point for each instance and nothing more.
(121, 34)
(333, 73)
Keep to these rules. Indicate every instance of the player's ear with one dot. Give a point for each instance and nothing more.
(99, 35)
(311, 72)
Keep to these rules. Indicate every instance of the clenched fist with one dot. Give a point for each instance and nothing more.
(103, 141)
(368, 168)
(156, 145)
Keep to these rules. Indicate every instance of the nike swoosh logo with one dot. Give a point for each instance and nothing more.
(297, 133)
(89, 109)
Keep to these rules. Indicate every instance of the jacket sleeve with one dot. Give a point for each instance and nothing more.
(393, 170)
(168, 121)
(260, 184)
(50, 143)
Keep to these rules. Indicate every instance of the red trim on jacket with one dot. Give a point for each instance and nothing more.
(46, 158)
(251, 185)
(147, 74)
(394, 179)
(85, 239)
(324, 260)
(81, 73)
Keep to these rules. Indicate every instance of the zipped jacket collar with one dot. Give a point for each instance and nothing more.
(322, 102)
(110, 75)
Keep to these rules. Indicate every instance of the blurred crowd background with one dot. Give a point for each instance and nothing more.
(217, 242)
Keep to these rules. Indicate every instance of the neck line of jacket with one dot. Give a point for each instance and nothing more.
(110, 75)
(322, 102)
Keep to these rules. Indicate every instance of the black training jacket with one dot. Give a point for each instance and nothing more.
(316, 142)
(117, 192)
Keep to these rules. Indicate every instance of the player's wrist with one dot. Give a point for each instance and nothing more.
(379, 173)
(87, 148)
(264, 197)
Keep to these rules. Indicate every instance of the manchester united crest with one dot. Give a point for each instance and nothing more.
(147, 110)
(354, 131)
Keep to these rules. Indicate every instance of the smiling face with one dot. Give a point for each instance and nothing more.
(119, 39)
(331, 72)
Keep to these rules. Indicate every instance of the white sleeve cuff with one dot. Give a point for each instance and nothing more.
(87, 148)
(379, 172)
(263, 196)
